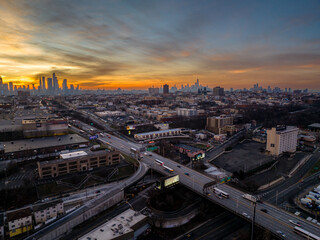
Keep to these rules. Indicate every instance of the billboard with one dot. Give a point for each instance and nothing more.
(171, 181)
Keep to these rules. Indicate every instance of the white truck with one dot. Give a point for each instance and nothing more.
(249, 197)
(304, 201)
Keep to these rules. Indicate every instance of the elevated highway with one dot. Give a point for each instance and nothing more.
(274, 219)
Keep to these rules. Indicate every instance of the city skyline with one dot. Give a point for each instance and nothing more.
(134, 45)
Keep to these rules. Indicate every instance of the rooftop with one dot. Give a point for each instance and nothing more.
(187, 147)
(73, 154)
(44, 142)
(17, 214)
(43, 206)
(315, 125)
(157, 132)
(116, 227)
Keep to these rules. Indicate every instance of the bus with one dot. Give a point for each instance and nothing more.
(220, 193)
(168, 169)
(159, 162)
(305, 233)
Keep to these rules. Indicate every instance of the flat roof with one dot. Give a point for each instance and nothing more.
(187, 147)
(44, 142)
(73, 154)
(88, 152)
(157, 132)
(116, 227)
(315, 125)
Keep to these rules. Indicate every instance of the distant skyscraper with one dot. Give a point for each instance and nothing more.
(49, 84)
(11, 87)
(165, 89)
(40, 82)
(44, 83)
(65, 86)
(55, 83)
(1, 86)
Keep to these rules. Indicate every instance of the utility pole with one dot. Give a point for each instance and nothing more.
(277, 198)
(253, 219)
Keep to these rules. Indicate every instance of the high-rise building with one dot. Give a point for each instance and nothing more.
(11, 87)
(166, 89)
(55, 83)
(65, 86)
(1, 86)
(153, 91)
(40, 82)
(218, 91)
(49, 85)
(44, 83)
(220, 125)
(282, 139)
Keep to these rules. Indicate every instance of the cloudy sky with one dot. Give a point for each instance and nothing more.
(137, 44)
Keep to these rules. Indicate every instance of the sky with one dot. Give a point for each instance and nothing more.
(109, 44)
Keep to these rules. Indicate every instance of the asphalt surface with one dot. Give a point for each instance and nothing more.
(275, 219)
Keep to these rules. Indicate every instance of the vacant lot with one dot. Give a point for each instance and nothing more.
(244, 156)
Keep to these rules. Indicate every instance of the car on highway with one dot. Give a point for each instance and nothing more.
(264, 210)
(295, 223)
(186, 174)
(281, 234)
(146, 153)
(178, 166)
(246, 215)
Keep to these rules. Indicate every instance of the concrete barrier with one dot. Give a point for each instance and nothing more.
(271, 183)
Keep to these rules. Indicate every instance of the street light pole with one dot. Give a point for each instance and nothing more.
(253, 219)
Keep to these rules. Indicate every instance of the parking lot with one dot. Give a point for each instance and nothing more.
(244, 156)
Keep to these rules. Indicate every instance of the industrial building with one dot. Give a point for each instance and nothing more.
(157, 134)
(36, 146)
(126, 226)
(282, 139)
(191, 152)
(76, 162)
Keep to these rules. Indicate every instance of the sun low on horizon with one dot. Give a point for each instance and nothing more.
(139, 44)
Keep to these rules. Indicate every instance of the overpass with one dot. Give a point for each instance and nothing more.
(91, 208)
(275, 219)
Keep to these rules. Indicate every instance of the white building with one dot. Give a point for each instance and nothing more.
(282, 139)
(45, 211)
(185, 112)
(157, 134)
(19, 221)
(127, 225)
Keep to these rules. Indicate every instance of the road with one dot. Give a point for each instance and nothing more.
(279, 192)
(275, 219)
(218, 227)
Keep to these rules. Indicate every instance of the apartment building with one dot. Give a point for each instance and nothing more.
(282, 139)
(76, 162)
(220, 125)
(19, 221)
(45, 211)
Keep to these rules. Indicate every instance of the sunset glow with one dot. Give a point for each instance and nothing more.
(137, 44)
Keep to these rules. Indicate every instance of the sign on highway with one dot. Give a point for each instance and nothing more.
(150, 149)
(93, 137)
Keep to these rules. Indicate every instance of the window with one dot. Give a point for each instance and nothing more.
(272, 145)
